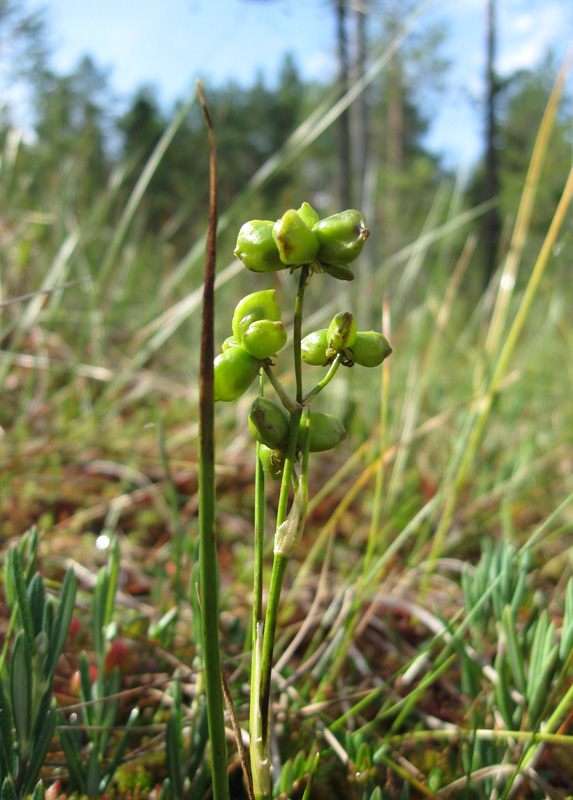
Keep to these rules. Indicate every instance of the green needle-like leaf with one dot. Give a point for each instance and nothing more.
(119, 752)
(173, 754)
(513, 649)
(93, 772)
(5, 734)
(8, 791)
(61, 624)
(21, 690)
(19, 583)
(112, 571)
(70, 746)
(39, 792)
(37, 601)
(42, 739)
(566, 643)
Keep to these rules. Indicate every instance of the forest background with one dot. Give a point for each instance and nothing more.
(462, 452)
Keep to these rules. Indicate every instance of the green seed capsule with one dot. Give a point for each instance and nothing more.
(341, 332)
(269, 423)
(253, 307)
(264, 338)
(340, 273)
(235, 370)
(229, 342)
(273, 462)
(325, 432)
(370, 348)
(296, 243)
(308, 214)
(341, 237)
(313, 348)
(256, 247)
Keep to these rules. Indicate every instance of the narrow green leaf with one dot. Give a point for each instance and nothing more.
(48, 621)
(507, 568)
(86, 689)
(566, 643)
(199, 742)
(173, 754)
(536, 655)
(98, 612)
(513, 649)
(165, 790)
(285, 779)
(93, 772)
(549, 640)
(119, 752)
(9, 588)
(298, 765)
(40, 747)
(61, 625)
(311, 775)
(113, 574)
(21, 690)
(520, 585)
(37, 600)
(538, 697)
(39, 792)
(8, 791)
(502, 695)
(110, 708)
(5, 731)
(41, 710)
(72, 754)
(5, 768)
(22, 597)
(30, 552)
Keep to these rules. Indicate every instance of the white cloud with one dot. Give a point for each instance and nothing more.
(526, 34)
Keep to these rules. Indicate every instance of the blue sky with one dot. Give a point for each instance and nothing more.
(170, 43)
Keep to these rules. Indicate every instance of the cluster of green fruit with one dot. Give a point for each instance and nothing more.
(258, 333)
(269, 424)
(367, 348)
(297, 239)
(300, 237)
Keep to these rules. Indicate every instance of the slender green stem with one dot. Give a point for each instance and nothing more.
(277, 576)
(258, 754)
(325, 381)
(259, 545)
(284, 396)
(297, 331)
(280, 561)
(208, 562)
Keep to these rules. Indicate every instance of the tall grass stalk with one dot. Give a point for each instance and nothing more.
(208, 561)
(469, 442)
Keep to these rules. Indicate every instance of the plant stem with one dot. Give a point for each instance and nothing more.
(325, 381)
(284, 396)
(208, 563)
(277, 576)
(297, 332)
(258, 755)
(263, 651)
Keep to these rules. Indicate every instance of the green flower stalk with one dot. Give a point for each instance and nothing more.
(285, 429)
